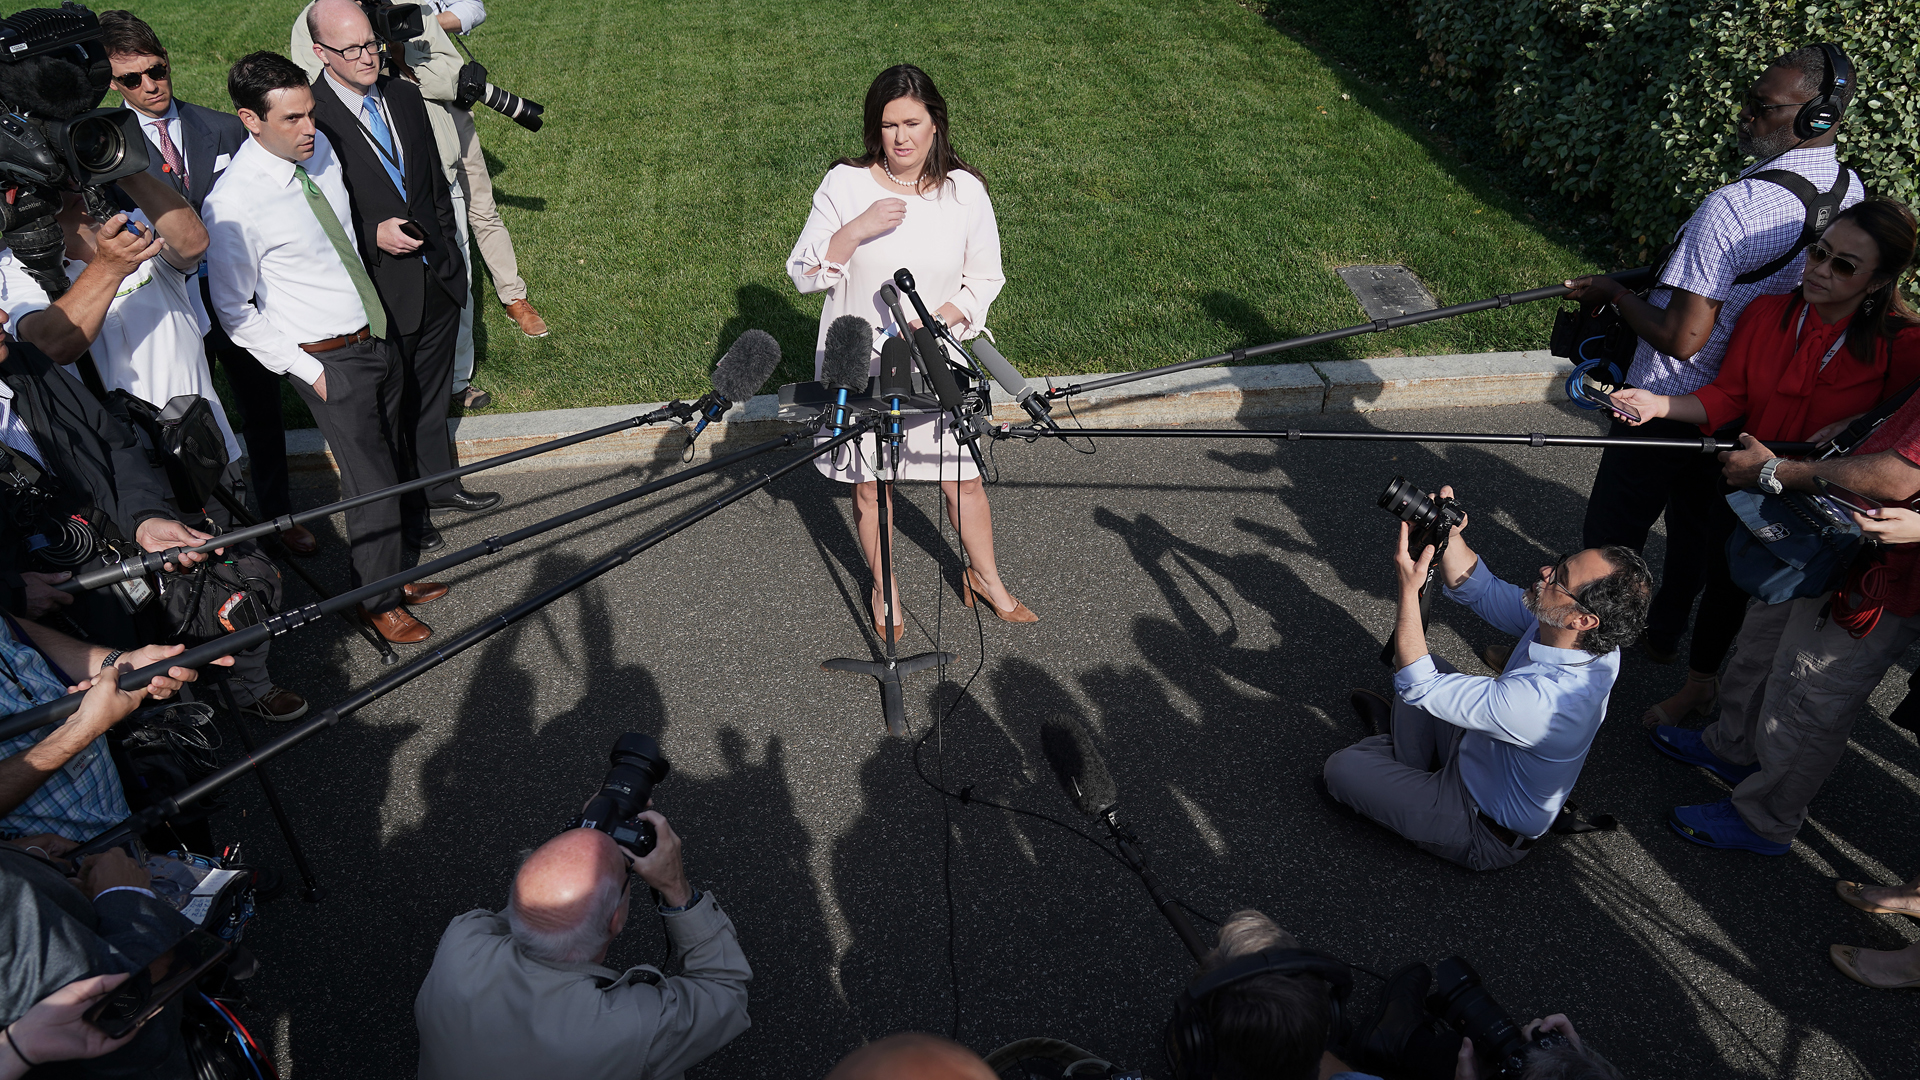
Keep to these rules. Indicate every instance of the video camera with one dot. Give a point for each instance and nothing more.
(53, 139)
(637, 765)
(56, 541)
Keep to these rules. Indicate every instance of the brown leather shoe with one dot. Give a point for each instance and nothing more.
(423, 592)
(398, 626)
(531, 324)
(279, 704)
(300, 540)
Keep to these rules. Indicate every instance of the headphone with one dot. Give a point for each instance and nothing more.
(1817, 117)
(1189, 1035)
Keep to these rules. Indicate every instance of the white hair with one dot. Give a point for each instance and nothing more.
(575, 944)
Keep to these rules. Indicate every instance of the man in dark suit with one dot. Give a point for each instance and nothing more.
(191, 146)
(403, 219)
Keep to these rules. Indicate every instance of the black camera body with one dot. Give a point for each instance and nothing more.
(1461, 999)
(473, 88)
(637, 765)
(1431, 516)
(394, 23)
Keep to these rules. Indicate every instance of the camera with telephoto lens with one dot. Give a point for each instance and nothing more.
(637, 766)
(473, 87)
(1459, 998)
(1431, 516)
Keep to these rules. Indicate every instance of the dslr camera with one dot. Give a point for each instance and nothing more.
(1432, 517)
(636, 765)
(1461, 1000)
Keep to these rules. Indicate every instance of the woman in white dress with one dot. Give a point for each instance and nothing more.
(910, 202)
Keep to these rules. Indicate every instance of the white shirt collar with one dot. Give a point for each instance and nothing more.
(279, 169)
(350, 97)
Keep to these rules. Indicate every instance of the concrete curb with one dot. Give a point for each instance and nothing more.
(1218, 396)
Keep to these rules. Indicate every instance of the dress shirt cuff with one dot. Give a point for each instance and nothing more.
(1420, 671)
(126, 888)
(305, 368)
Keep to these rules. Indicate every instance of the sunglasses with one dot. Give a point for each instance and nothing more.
(1820, 253)
(1558, 579)
(131, 80)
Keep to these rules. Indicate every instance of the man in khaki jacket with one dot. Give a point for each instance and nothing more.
(522, 993)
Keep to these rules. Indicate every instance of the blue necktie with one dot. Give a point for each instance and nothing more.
(382, 135)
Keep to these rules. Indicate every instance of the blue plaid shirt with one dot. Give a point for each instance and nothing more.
(83, 798)
(1739, 228)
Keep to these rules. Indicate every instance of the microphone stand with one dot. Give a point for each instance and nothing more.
(333, 714)
(1238, 356)
(200, 655)
(903, 282)
(1702, 445)
(154, 561)
(890, 671)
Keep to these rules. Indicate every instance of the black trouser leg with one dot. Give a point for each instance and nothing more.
(426, 358)
(360, 419)
(1632, 489)
(257, 392)
(1723, 607)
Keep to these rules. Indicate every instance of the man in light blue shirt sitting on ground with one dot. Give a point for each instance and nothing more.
(1475, 769)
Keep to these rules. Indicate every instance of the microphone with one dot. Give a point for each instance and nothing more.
(896, 381)
(738, 376)
(1077, 764)
(849, 353)
(1014, 383)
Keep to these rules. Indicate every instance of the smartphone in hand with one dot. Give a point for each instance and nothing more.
(141, 997)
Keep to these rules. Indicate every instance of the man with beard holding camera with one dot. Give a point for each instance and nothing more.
(523, 992)
(1475, 769)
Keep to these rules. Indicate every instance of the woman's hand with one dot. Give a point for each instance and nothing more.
(884, 216)
(1648, 405)
(1890, 525)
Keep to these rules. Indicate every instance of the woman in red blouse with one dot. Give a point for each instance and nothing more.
(1798, 367)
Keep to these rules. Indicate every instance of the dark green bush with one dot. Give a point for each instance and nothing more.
(1633, 101)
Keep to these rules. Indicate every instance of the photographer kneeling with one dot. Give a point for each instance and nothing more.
(523, 993)
(1475, 769)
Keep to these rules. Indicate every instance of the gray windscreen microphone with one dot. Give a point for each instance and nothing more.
(1013, 383)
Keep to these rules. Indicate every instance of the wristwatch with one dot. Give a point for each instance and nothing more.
(1767, 483)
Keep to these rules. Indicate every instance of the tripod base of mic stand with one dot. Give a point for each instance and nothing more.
(889, 673)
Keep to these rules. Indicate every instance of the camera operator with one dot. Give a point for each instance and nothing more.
(1802, 670)
(523, 993)
(107, 921)
(1745, 241)
(1475, 769)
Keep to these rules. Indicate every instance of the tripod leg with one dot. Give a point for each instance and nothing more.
(314, 893)
(246, 520)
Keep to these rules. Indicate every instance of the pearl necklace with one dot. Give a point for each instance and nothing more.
(915, 184)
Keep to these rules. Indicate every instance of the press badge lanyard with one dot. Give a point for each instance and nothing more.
(1837, 342)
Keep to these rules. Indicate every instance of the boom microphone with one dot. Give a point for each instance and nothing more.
(1014, 383)
(738, 376)
(1077, 765)
(849, 354)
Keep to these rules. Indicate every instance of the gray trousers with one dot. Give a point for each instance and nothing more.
(1788, 701)
(1409, 780)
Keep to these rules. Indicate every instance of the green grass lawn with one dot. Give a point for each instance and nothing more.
(1173, 179)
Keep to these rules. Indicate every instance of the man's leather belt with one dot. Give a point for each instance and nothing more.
(1505, 835)
(340, 342)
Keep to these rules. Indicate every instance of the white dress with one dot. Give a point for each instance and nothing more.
(951, 244)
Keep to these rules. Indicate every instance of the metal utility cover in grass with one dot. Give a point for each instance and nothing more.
(1387, 290)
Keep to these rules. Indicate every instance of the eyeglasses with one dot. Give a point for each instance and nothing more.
(1557, 578)
(352, 52)
(132, 79)
(1820, 253)
(1752, 103)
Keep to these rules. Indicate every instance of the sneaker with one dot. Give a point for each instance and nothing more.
(277, 705)
(529, 320)
(1687, 746)
(1719, 825)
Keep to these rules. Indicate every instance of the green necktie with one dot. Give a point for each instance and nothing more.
(362, 284)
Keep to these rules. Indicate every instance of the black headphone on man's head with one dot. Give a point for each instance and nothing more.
(1189, 1035)
(1817, 117)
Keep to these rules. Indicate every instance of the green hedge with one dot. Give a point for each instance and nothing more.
(1633, 101)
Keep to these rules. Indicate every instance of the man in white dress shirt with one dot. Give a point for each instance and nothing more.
(286, 277)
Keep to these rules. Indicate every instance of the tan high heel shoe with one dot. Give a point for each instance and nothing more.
(1019, 614)
(879, 623)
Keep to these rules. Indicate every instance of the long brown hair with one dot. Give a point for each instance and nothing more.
(1883, 312)
(905, 80)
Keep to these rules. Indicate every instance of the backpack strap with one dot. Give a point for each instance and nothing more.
(1821, 208)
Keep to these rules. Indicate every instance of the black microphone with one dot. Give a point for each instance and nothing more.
(849, 354)
(1077, 764)
(896, 381)
(1014, 383)
(738, 376)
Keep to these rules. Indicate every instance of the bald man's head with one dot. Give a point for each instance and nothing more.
(569, 899)
(912, 1055)
(340, 25)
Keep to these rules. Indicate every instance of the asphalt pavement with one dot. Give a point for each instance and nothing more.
(1205, 606)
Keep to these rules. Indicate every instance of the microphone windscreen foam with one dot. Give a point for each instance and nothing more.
(747, 366)
(896, 368)
(849, 354)
(1003, 373)
(1076, 763)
